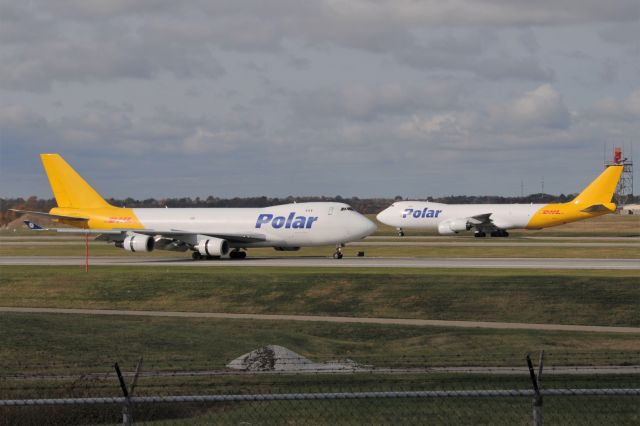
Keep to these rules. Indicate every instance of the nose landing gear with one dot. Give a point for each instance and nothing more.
(338, 253)
(400, 232)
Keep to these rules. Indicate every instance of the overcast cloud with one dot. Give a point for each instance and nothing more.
(154, 98)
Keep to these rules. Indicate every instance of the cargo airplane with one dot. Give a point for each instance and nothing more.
(207, 232)
(497, 219)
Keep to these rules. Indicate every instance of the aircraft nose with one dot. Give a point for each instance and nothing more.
(363, 227)
(382, 216)
(369, 226)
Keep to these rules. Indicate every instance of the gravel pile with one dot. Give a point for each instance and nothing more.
(278, 358)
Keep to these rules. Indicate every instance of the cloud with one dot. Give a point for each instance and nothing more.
(539, 108)
(626, 109)
(81, 41)
(360, 102)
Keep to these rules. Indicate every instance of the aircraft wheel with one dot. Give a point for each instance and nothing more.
(480, 234)
(196, 255)
(337, 255)
(237, 254)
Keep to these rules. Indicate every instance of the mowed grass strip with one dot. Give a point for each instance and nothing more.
(36, 341)
(608, 298)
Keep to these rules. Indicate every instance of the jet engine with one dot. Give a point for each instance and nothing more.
(138, 243)
(213, 247)
(453, 226)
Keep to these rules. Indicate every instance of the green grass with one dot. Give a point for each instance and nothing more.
(39, 342)
(565, 297)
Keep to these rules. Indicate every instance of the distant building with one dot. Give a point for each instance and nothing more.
(630, 209)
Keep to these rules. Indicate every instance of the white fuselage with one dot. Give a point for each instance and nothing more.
(287, 226)
(428, 215)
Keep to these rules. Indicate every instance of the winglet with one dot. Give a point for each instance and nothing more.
(69, 188)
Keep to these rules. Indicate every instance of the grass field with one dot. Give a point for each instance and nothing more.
(94, 343)
(565, 297)
(78, 344)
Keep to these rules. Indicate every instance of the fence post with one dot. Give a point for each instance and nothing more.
(126, 415)
(127, 418)
(536, 381)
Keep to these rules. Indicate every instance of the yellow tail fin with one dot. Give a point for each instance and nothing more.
(601, 190)
(68, 186)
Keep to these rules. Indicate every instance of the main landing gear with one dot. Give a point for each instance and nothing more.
(338, 253)
(237, 254)
(234, 254)
(495, 233)
(499, 233)
(196, 255)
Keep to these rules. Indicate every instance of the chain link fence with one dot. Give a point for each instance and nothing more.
(576, 389)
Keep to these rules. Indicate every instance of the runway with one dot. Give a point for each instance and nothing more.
(326, 262)
(334, 319)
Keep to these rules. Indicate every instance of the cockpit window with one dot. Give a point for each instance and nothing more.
(346, 208)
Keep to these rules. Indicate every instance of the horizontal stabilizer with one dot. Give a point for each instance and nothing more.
(600, 208)
(51, 216)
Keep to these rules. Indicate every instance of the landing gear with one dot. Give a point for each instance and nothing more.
(400, 232)
(196, 255)
(479, 234)
(338, 253)
(237, 254)
(499, 233)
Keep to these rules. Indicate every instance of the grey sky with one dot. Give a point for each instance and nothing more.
(152, 98)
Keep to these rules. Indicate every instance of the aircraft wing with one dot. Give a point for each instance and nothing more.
(481, 219)
(232, 238)
(481, 222)
(119, 234)
(190, 238)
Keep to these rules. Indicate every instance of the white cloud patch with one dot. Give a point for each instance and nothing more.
(361, 102)
(539, 108)
(627, 109)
